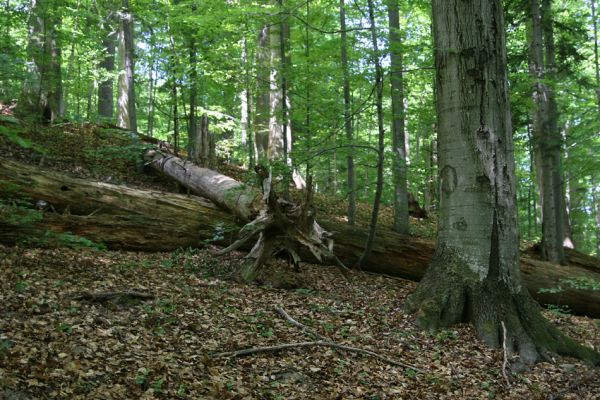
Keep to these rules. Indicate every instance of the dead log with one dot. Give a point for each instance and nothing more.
(144, 220)
(229, 194)
(279, 226)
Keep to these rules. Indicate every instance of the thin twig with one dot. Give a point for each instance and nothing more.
(305, 328)
(323, 343)
(505, 362)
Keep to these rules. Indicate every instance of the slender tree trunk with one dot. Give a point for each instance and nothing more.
(545, 132)
(381, 136)
(106, 104)
(277, 123)
(151, 85)
(175, 117)
(474, 275)
(351, 181)
(596, 205)
(398, 125)
(192, 124)
(42, 91)
(596, 65)
(246, 107)
(262, 104)
(127, 113)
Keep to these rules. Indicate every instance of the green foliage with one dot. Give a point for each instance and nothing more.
(14, 135)
(578, 283)
(224, 38)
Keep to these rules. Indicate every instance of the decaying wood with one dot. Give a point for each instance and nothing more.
(116, 297)
(147, 220)
(276, 225)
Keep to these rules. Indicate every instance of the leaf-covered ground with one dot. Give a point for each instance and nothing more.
(54, 345)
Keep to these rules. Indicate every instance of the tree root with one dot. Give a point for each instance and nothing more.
(448, 295)
(282, 226)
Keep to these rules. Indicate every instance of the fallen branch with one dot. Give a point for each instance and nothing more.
(321, 343)
(505, 352)
(305, 328)
(117, 297)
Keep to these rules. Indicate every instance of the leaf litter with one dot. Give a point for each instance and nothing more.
(56, 343)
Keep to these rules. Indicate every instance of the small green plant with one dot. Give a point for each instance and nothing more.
(21, 286)
(562, 311)
(411, 373)
(5, 345)
(157, 384)
(579, 283)
(84, 387)
(166, 306)
(445, 334)
(63, 327)
(141, 378)
(180, 391)
(265, 331)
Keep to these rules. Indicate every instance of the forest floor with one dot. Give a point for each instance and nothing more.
(59, 341)
(55, 343)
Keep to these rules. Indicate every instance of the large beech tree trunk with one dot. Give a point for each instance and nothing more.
(124, 218)
(474, 275)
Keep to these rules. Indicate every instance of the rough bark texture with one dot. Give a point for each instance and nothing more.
(474, 275)
(398, 134)
(546, 137)
(124, 218)
(127, 113)
(106, 101)
(203, 149)
(42, 91)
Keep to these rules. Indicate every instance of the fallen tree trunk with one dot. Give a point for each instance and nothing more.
(130, 219)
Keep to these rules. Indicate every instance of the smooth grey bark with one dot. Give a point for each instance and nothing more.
(380, 140)
(42, 96)
(246, 107)
(151, 85)
(474, 275)
(279, 132)
(546, 136)
(262, 104)
(351, 180)
(596, 66)
(596, 205)
(192, 123)
(126, 104)
(106, 102)
(398, 126)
